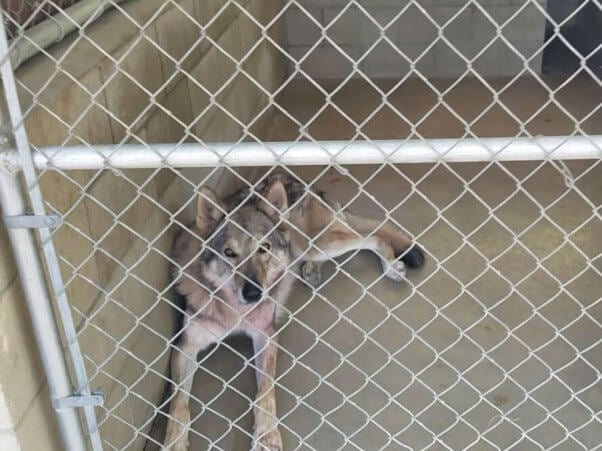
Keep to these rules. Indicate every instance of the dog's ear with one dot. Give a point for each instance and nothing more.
(209, 210)
(276, 200)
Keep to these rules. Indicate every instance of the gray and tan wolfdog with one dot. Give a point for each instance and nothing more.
(234, 269)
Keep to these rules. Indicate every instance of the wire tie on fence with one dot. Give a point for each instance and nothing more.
(569, 179)
(341, 170)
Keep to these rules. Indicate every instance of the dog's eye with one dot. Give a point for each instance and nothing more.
(264, 248)
(230, 253)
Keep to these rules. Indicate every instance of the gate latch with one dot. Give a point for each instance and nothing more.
(32, 221)
(70, 402)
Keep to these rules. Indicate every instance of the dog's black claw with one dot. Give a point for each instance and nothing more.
(413, 257)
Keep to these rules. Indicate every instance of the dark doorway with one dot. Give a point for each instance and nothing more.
(582, 30)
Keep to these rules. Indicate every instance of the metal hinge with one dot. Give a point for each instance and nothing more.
(75, 401)
(32, 221)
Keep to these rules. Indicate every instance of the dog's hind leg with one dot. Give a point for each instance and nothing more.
(352, 232)
(334, 244)
(265, 432)
(194, 339)
(392, 239)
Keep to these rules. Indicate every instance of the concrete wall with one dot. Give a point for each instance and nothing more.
(412, 33)
(115, 281)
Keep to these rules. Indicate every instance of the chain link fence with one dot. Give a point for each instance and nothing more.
(436, 118)
(25, 14)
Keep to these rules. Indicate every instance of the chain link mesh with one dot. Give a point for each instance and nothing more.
(21, 15)
(495, 344)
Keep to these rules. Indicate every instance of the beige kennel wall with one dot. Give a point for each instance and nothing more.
(101, 209)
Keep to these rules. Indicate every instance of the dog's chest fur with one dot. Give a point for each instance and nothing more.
(225, 312)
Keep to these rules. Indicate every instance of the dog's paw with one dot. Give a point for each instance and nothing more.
(394, 270)
(270, 441)
(412, 257)
(310, 272)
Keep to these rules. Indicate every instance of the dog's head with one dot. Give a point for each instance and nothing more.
(247, 252)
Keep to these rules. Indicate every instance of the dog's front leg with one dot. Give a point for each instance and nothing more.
(266, 434)
(195, 338)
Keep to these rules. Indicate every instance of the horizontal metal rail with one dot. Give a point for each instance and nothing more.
(315, 153)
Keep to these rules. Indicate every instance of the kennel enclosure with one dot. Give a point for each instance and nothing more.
(453, 119)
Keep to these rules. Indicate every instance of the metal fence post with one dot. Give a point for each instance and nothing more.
(42, 318)
(12, 202)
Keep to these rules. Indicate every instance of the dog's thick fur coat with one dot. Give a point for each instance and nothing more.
(234, 270)
(319, 231)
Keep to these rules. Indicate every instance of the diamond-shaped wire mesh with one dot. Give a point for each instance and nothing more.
(493, 344)
(20, 15)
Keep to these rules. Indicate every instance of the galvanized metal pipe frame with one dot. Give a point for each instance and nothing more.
(40, 310)
(34, 284)
(314, 153)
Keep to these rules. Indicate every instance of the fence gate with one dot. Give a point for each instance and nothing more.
(474, 127)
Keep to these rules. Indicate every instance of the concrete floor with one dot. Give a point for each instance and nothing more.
(494, 344)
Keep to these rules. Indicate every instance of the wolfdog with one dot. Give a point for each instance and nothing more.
(234, 269)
